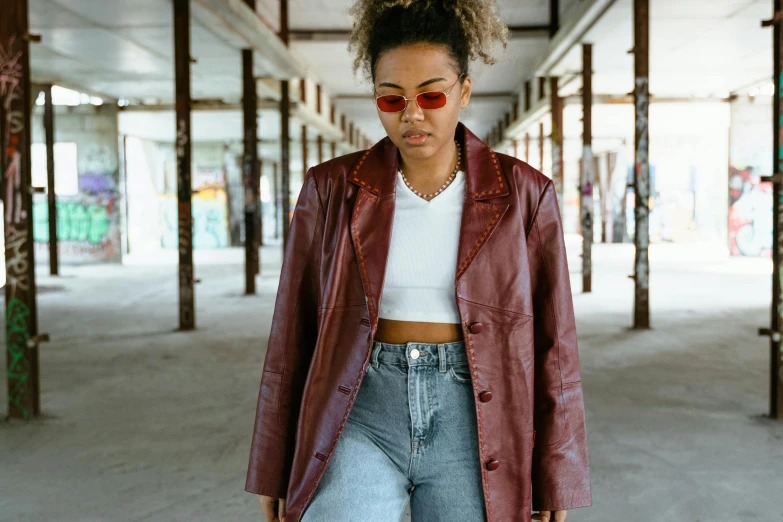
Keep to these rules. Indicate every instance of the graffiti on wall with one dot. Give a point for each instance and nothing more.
(210, 223)
(88, 228)
(750, 214)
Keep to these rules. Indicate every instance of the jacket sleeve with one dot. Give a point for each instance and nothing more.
(289, 350)
(560, 473)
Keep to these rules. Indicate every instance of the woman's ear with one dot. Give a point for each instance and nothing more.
(465, 91)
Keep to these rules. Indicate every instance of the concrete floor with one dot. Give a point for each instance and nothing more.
(145, 423)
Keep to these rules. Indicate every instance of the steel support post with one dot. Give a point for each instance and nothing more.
(51, 192)
(554, 17)
(641, 314)
(305, 159)
(21, 324)
(556, 104)
(320, 145)
(187, 314)
(588, 178)
(776, 316)
(285, 136)
(276, 199)
(250, 180)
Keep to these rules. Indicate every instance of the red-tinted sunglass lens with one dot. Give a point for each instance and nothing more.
(391, 103)
(431, 100)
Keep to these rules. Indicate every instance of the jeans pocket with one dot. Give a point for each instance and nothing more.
(460, 373)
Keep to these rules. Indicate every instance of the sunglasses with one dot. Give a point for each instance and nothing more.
(425, 100)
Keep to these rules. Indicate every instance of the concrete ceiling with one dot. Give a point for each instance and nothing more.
(124, 48)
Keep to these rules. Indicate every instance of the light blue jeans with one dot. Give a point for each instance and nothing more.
(411, 434)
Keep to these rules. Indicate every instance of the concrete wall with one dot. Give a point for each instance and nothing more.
(152, 195)
(88, 218)
(750, 201)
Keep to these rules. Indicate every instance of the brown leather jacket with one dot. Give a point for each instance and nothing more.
(514, 299)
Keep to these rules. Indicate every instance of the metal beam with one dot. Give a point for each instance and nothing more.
(588, 177)
(187, 312)
(21, 325)
(776, 316)
(342, 35)
(51, 193)
(556, 105)
(285, 137)
(250, 169)
(641, 21)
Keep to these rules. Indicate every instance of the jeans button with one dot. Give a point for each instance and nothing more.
(415, 353)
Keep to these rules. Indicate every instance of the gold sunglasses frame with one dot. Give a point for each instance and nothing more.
(447, 93)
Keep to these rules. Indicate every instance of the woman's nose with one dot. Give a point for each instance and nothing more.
(412, 112)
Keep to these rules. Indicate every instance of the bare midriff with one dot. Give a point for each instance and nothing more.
(401, 332)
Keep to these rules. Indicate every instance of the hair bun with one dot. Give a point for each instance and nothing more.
(477, 23)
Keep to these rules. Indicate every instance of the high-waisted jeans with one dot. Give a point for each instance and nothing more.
(411, 435)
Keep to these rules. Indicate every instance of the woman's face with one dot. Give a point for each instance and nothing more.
(410, 70)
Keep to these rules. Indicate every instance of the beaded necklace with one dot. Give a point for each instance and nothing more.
(443, 187)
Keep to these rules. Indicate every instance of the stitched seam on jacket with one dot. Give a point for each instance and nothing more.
(323, 221)
(554, 321)
(496, 308)
(298, 299)
(535, 212)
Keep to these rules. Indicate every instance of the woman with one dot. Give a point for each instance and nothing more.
(423, 344)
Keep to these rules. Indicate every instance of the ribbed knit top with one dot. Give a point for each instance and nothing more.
(419, 281)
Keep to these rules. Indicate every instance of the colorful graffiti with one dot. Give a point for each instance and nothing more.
(210, 223)
(20, 280)
(83, 221)
(750, 214)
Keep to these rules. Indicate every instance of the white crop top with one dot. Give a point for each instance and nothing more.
(419, 281)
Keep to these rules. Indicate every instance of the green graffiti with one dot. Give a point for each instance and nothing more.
(76, 221)
(17, 336)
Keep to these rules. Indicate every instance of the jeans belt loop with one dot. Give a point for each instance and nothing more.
(442, 357)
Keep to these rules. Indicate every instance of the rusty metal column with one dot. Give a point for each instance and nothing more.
(21, 325)
(51, 193)
(527, 147)
(276, 199)
(250, 166)
(285, 137)
(320, 143)
(776, 319)
(304, 152)
(334, 149)
(587, 181)
(554, 17)
(541, 138)
(187, 314)
(557, 139)
(641, 314)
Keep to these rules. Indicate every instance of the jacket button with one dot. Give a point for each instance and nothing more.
(493, 464)
(485, 396)
(476, 328)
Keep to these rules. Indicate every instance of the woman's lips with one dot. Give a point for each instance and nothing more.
(416, 140)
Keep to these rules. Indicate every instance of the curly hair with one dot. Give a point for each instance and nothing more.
(468, 28)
